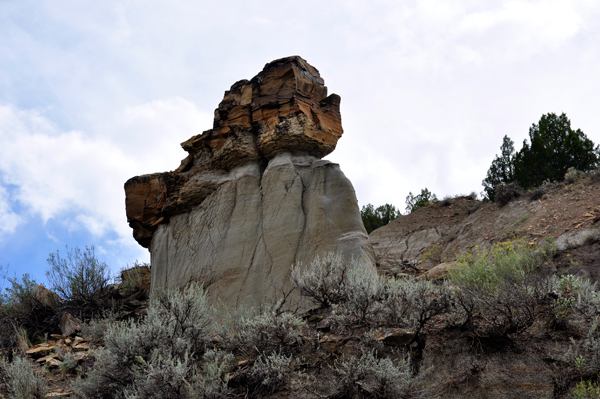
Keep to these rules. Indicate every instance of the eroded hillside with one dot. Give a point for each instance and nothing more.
(569, 214)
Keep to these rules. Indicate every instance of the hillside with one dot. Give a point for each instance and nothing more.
(568, 214)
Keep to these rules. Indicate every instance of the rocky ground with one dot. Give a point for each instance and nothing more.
(566, 213)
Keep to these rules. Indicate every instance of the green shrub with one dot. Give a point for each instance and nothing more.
(573, 175)
(80, 276)
(21, 315)
(361, 293)
(327, 280)
(585, 354)
(269, 374)
(411, 303)
(576, 294)
(269, 330)
(586, 390)
(502, 291)
(212, 383)
(374, 218)
(97, 327)
(380, 377)
(504, 193)
(170, 340)
(21, 381)
(414, 202)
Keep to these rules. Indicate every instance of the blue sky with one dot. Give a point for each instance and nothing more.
(92, 93)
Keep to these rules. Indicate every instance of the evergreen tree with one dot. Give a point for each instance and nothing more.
(502, 170)
(376, 218)
(418, 201)
(555, 147)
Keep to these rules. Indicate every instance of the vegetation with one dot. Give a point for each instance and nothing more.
(185, 348)
(382, 377)
(78, 277)
(414, 202)
(502, 291)
(586, 390)
(156, 356)
(21, 381)
(374, 218)
(554, 148)
(502, 170)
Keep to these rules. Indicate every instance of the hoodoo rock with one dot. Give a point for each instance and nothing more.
(253, 197)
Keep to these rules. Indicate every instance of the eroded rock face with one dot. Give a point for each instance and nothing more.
(285, 108)
(253, 197)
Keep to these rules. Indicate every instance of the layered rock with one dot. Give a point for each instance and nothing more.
(253, 196)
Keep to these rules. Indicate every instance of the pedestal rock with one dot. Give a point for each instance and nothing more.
(253, 197)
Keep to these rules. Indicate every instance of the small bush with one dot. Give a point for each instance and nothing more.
(269, 330)
(504, 193)
(414, 202)
(411, 303)
(80, 276)
(538, 193)
(586, 390)
(161, 377)
(135, 277)
(327, 280)
(591, 237)
(97, 327)
(381, 378)
(585, 354)
(212, 383)
(21, 381)
(576, 294)
(573, 175)
(22, 315)
(361, 294)
(502, 291)
(269, 374)
(171, 338)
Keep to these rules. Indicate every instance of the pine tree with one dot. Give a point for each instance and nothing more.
(502, 170)
(376, 218)
(555, 147)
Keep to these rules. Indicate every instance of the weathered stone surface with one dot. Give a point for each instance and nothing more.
(285, 108)
(69, 324)
(250, 231)
(45, 297)
(253, 196)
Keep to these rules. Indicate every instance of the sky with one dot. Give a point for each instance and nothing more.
(95, 92)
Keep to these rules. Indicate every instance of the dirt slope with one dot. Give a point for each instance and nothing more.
(566, 213)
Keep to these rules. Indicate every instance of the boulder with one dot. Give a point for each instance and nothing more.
(253, 197)
(69, 324)
(46, 298)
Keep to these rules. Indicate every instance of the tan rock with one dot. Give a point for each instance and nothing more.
(69, 324)
(438, 272)
(45, 358)
(81, 347)
(253, 197)
(45, 297)
(285, 108)
(52, 362)
(395, 336)
(40, 350)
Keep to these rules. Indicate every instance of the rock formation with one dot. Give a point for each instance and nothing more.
(253, 197)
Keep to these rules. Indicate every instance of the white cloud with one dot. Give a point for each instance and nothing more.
(8, 219)
(79, 177)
